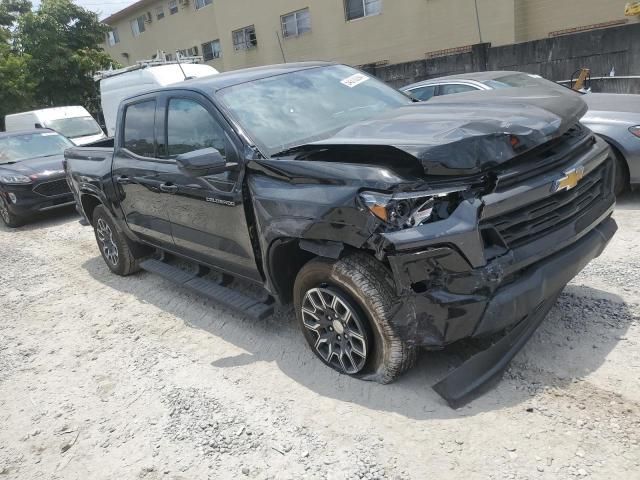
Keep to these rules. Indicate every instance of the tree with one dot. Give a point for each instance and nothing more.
(16, 85)
(63, 43)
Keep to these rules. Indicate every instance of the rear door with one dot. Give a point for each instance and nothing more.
(207, 213)
(137, 170)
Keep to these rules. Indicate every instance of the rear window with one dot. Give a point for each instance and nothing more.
(139, 128)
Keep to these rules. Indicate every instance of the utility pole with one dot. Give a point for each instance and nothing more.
(478, 21)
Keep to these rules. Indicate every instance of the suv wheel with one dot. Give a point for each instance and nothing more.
(114, 246)
(345, 309)
(9, 219)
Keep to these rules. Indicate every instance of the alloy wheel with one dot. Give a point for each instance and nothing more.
(4, 211)
(105, 236)
(340, 333)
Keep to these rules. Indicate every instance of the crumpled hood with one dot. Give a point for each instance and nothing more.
(467, 133)
(38, 167)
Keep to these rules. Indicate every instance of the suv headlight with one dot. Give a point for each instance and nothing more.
(14, 179)
(408, 209)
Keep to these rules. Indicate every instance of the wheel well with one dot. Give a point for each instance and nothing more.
(89, 204)
(619, 156)
(286, 258)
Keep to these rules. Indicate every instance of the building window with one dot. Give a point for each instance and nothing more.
(202, 3)
(362, 8)
(296, 23)
(173, 7)
(188, 52)
(245, 38)
(137, 25)
(113, 37)
(159, 13)
(211, 50)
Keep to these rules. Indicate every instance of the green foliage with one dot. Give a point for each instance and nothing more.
(49, 55)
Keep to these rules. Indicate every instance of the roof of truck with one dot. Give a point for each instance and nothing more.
(235, 77)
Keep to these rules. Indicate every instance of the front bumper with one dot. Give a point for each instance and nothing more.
(29, 202)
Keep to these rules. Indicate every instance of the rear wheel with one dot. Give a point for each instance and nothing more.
(114, 245)
(10, 220)
(346, 311)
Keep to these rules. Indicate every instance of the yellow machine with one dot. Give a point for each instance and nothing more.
(632, 9)
(585, 73)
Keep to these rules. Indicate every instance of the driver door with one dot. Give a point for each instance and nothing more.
(208, 219)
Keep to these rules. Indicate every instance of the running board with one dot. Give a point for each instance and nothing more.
(225, 296)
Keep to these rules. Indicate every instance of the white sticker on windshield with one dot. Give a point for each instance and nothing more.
(354, 80)
(48, 134)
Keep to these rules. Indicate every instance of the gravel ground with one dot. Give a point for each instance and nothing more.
(110, 378)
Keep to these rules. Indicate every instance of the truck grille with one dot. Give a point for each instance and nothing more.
(53, 188)
(539, 218)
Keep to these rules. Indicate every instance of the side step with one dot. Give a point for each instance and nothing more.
(225, 296)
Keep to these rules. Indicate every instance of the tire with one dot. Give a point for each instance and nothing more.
(365, 295)
(10, 220)
(621, 182)
(114, 247)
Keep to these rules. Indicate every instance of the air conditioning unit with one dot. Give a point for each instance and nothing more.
(148, 18)
(195, 51)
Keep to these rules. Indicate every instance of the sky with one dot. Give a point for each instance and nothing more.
(103, 8)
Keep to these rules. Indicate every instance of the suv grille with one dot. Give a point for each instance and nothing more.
(53, 188)
(537, 219)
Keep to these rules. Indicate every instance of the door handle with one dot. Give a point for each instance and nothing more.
(168, 188)
(123, 180)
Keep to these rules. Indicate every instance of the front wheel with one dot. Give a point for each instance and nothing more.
(345, 309)
(10, 220)
(114, 246)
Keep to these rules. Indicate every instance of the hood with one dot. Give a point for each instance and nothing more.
(36, 167)
(466, 133)
(612, 102)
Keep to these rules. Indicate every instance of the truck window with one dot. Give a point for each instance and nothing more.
(139, 127)
(191, 127)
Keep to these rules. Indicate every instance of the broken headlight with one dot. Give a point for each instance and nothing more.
(410, 209)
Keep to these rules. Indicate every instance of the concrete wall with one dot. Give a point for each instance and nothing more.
(553, 58)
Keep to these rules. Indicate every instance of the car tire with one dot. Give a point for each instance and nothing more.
(621, 182)
(10, 220)
(359, 288)
(114, 246)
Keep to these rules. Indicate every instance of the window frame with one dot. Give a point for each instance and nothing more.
(365, 14)
(160, 12)
(122, 146)
(296, 21)
(204, 4)
(171, 5)
(113, 33)
(140, 22)
(246, 45)
(214, 57)
(441, 87)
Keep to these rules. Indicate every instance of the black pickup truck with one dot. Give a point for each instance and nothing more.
(389, 224)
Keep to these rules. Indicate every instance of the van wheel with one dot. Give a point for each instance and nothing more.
(114, 246)
(9, 219)
(345, 309)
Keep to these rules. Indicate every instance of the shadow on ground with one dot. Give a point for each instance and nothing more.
(582, 315)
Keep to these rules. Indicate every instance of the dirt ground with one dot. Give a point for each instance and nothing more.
(110, 378)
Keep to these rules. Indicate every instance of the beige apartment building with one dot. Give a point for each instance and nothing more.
(232, 34)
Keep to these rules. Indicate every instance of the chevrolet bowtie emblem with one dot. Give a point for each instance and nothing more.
(569, 181)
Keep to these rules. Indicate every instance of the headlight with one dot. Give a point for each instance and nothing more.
(14, 179)
(635, 130)
(406, 209)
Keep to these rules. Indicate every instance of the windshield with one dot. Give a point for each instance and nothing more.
(523, 80)
(32, 145)
(296, 108)
(75, 127)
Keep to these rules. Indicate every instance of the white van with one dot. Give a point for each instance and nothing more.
(75, 123)
(116, 85)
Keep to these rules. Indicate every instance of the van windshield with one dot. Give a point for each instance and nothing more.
(14, 148)
(75, 127)
(295, 108)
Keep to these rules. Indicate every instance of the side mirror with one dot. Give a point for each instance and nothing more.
(207, 161)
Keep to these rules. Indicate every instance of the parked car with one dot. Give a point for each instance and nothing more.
(75, 123)
(390, 224)
(615, 117)
(32, 178)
